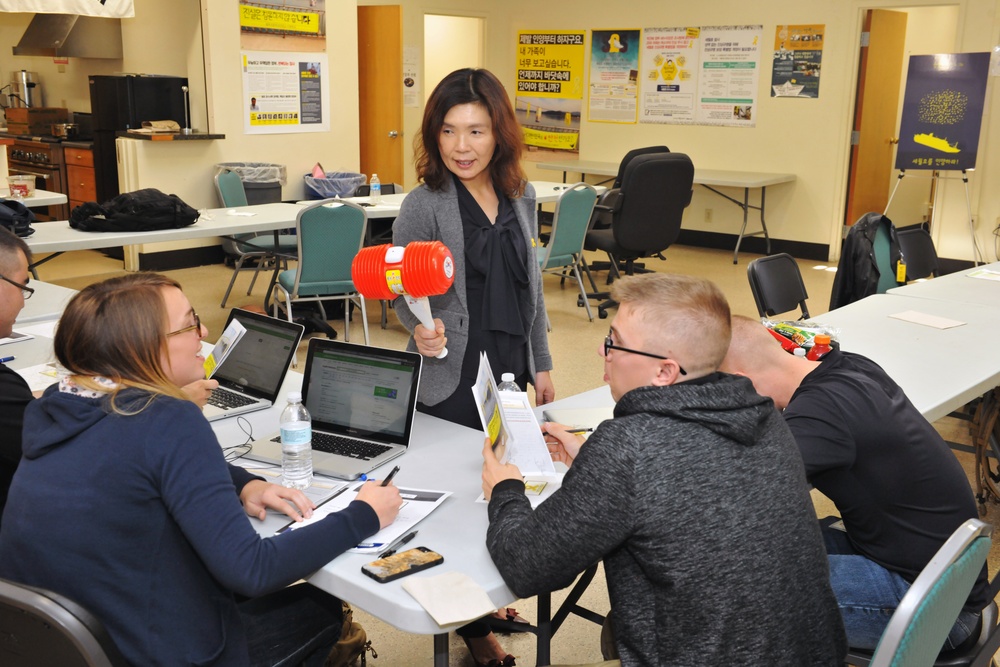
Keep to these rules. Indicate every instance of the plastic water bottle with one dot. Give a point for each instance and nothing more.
(296, 443)
(507, 383)
(374, 190)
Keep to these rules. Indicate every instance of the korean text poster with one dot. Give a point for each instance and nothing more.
(285, 92)
(550, 83)
(730, 72)
(669, 79)
(614, 74)
(798, 55)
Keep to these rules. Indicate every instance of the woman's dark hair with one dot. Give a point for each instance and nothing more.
(472, 86)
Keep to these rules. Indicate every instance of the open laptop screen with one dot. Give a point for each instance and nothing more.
(257, 364)
(361, 391)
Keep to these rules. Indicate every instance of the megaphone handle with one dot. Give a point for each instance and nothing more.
(421, 307)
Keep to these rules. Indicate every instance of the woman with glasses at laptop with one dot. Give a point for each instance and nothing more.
(124, 503)
(476, 200)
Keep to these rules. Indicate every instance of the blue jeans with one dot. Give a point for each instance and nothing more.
(296, 626)
(868, 594)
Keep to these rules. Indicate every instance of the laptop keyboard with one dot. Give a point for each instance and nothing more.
(336, 444)
(228, 400)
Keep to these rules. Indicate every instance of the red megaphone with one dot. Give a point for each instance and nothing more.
(420, 270)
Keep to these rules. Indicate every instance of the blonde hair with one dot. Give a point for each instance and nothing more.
(117, 329)
(689, 316)
(752, 348)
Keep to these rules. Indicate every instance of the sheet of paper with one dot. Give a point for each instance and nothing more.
(40, 376)
(927, 320)
(417, 505)
(485, 394)
(452, 597)
(537, 488)
(985, 274)
(15, 337)
(227, 341)
(322, 488)
(44, 329)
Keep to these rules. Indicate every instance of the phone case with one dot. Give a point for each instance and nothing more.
(399, 565)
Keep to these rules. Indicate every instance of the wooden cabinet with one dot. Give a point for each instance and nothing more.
(81, 186)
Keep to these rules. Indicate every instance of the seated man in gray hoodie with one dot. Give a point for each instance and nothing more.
(694, 496)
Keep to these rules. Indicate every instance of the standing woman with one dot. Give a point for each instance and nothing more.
(476, 200)
(124, 503)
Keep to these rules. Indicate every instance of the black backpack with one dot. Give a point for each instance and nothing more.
(140, 211)
(16, 217)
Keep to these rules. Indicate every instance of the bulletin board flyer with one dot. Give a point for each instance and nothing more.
(730, 72)
(798, 56)
(285, 92)
(550, 83)
(669, 80)
(614, 73)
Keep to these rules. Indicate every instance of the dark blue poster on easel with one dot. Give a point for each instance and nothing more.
(942, 111)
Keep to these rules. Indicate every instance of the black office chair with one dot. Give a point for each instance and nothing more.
(918, 252)
(40, 628)
(601, 218)
(646, 214)
(777, 285)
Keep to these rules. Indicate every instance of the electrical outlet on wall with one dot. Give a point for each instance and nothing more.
(708, 215)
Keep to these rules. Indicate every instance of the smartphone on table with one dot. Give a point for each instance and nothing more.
(401, 564)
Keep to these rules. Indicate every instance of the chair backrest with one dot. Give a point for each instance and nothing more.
(776, 284)
(918, 252)
(569, 225)
(926, 614)
(882, 246)
(655, 191)
(329, 238)
(634, 153)
(229, 185)
(364, 189)
(42, 628)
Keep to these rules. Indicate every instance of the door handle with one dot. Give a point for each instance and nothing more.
(393, 134)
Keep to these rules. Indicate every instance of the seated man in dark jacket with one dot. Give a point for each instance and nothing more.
(693, 496)
(900, 491)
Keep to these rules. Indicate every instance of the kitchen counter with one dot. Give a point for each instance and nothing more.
(170, 136)
(78, 143)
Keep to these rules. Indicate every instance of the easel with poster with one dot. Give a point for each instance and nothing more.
(942, 114)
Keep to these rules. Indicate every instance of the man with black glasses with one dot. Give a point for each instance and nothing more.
(15, 256)
(693, 496)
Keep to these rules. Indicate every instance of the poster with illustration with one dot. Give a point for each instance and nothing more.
(942, 111)
(669, 78)
(614, 73)
(550, 84)
(285, 92)
(798, 55)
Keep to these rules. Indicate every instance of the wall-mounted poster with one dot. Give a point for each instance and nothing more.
(730, 72)
(285, 92)
(549, 97)
(292, 25)
(669, 80)
(942, 111)
(614, 73)
(798, 55)
(115, 9)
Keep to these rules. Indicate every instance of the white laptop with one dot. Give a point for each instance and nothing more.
(251, 376)
(361, 399)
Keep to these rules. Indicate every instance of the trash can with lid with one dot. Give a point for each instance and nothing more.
(336, 184)
(262, 181)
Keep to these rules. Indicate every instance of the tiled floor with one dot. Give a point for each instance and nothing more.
(574, 342)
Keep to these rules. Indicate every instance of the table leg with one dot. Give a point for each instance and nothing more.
(763, 225)
(441, 650)
(746, 212)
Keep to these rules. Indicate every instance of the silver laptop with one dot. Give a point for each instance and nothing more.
(362, 400)
(251, 376)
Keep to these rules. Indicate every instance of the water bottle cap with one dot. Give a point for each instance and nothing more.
(507, 377)
(295, 397)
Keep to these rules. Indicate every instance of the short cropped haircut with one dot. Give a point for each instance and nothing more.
(117, 329)
(9, 245)
(687, 315)
(472, 86)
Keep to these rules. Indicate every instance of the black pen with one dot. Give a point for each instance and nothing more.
(407, 538)
(388, 478)
(578, 431)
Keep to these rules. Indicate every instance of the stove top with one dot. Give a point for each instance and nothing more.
(38, 138)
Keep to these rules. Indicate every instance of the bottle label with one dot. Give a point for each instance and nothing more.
(296, 434)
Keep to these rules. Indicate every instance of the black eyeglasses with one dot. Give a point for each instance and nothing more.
(25, 290)
(609, 345)
(194, 327)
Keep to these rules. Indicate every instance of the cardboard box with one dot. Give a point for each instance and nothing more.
(37, 120)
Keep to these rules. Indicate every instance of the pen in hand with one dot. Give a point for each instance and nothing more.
(578, 431)
(407, 538)
(388, 478)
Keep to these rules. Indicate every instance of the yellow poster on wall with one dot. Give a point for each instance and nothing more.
(550, 87)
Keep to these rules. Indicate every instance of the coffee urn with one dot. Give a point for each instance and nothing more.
(25, 91)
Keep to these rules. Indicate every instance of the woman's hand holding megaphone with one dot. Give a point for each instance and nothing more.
(430, 342)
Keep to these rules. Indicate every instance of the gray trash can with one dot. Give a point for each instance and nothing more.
(262, 181)
(336, 184)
